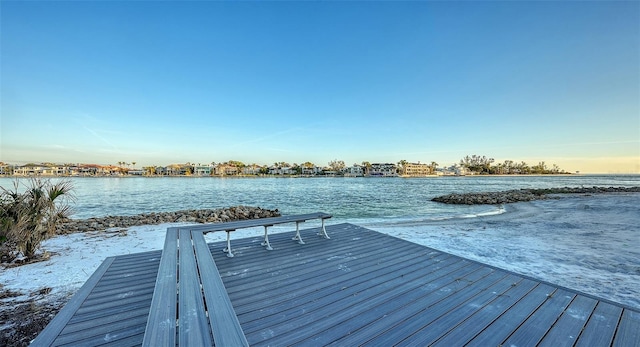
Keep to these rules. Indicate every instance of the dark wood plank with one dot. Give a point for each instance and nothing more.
(435, 328)
(531, 332)
(462, 333)
(59, 322)
(628, 333)
(161, 323)
(104, 333)
(567, 329)
(341, 285)
(601, 327)
(458, 291)
(369, 289)
(499, 329)
(193, 326)
(223, 320)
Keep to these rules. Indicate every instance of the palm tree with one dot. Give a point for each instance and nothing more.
(367, 167)
(134, 164)
(28, 218)
(403, 166)
(432, 167)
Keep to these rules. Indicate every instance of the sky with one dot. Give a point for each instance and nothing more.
(162, 82)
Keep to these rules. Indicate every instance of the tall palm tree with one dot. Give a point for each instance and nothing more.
(403, 166)
(432, 167)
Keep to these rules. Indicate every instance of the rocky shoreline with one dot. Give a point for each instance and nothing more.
(510, 196)
(186, 216)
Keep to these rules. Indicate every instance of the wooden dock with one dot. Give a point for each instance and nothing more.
(360, 287)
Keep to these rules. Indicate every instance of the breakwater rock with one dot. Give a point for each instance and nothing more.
(509, 196)
(185, 216)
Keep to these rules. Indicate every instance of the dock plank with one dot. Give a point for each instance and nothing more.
(628, 333)
(434, 329)
(462, 333)
(567, 329)
(601, 327)
(533, 330)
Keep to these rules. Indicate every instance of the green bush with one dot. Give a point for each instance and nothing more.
(29, 216)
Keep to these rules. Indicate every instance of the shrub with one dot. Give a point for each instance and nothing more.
(29, 217)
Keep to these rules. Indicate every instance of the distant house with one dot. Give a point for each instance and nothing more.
(28, 170)
(94, 170)
(354, 171)
(284, 170)
(311, 171)
(416, 170)
(253, 169)
(174, 170)
(226, 170)
(202, 170)
(6, 169)
(383, 170)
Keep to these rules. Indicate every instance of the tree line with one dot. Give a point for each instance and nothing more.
(487, 166)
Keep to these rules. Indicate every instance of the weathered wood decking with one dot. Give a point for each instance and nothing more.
(358, 288)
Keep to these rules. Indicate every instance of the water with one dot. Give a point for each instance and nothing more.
(356, 200)
(587, 243)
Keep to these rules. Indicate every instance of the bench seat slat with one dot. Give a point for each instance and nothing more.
(161, 324)
(226, 327)
(193, 326)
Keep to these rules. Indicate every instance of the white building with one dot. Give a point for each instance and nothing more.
(354, 171)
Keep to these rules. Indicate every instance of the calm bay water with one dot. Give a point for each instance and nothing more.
(384, 200)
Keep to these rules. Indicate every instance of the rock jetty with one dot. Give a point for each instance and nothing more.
(185, 216)
(509, 196)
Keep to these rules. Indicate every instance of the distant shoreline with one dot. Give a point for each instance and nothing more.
(316, 176)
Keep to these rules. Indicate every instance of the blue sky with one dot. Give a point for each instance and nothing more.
(173, 82)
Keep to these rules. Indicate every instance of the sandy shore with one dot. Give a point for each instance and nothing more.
(588, 243)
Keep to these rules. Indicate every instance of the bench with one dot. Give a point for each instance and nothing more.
(266, 223)
(190, 303)
(189, 297)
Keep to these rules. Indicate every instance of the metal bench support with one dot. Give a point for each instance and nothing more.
(323, 231)
(266, 239)
(298, 237)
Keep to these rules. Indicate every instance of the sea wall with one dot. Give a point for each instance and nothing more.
(186, 216)
(509, 196)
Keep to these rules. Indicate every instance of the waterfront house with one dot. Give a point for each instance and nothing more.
(354, 171)
(277, 170)
(224, 169)
(416, 170)
(383, 170)
(311, 171)
(28, 170)
(251, 170)
(202, 170)
(6, 169)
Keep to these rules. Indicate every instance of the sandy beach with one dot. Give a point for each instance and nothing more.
(584, 242)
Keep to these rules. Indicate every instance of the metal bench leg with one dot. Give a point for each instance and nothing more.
(298, 237)
(228, 249)
(266, 240)
(323, 231)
